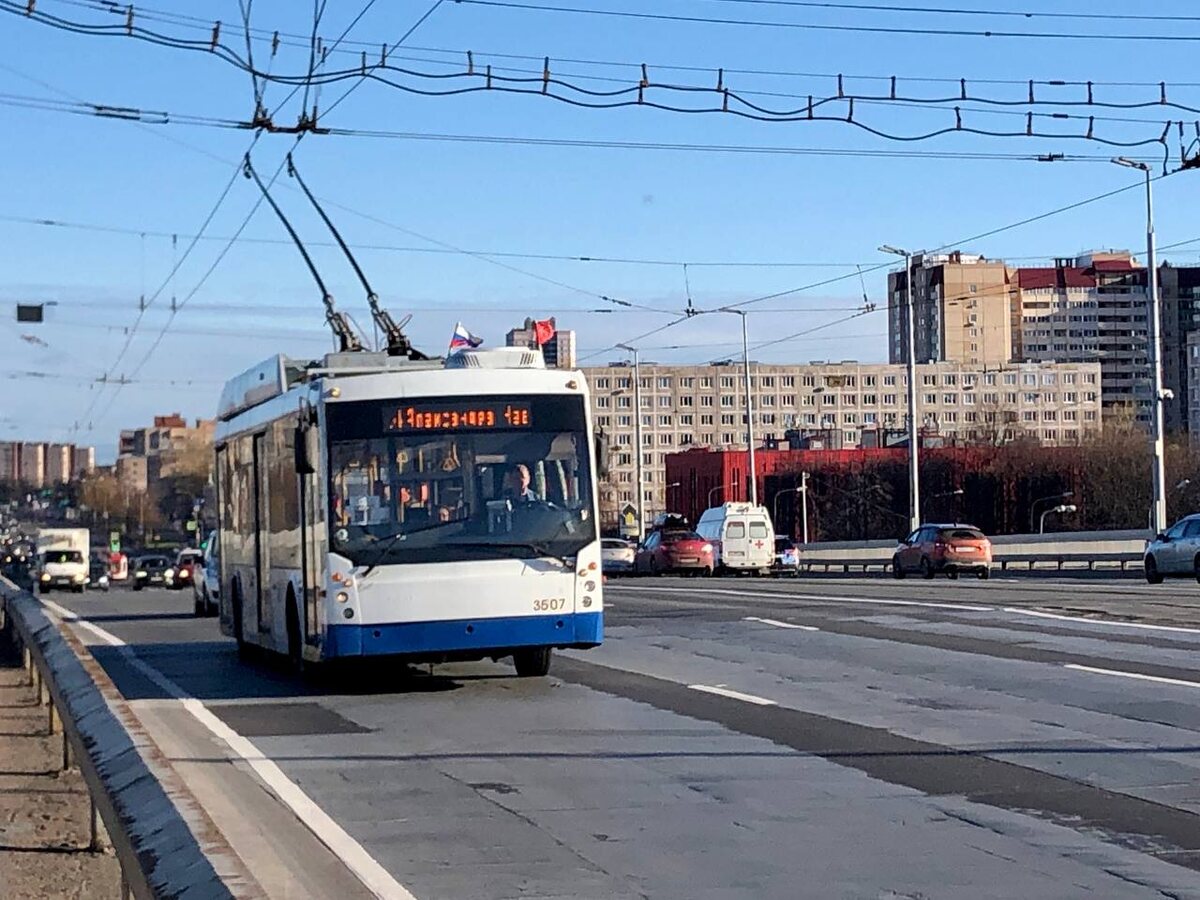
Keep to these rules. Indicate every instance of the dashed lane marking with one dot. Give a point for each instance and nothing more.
(366, 868)
(1082, 620)
(732, 695)
(782, 595)
(1138, 676)
(778, 624)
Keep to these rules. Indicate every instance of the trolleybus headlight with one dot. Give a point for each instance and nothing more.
(587, 601)
(342, 597)
(348, 613)
(590, 586)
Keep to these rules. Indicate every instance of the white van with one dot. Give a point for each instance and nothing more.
(742, 537)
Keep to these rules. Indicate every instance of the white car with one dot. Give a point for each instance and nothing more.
(1175, 552)
(617, 556)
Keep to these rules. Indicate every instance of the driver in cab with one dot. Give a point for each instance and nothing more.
(517, 488)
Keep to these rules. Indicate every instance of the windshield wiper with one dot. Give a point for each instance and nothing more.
(401, 535)
(539, 549)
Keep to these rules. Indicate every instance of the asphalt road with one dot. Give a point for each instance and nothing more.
(733, 738)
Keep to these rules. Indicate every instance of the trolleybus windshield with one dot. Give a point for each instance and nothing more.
(454, 479)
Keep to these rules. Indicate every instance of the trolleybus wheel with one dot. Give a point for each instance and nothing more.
(533, 662)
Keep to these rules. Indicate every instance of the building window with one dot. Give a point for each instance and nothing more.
(949, 380)
(869, 381)
(706, 419)
(727, 419)
(829, 400)
(1029, 379)
(968, 399)
(727, 400)
(807, 380)
(950, 399)
(989, 378)
(664, 382)
(602, 403)
(808, 400)
(686, 401)
(687, 382)
(930, 399)
(788, 381)
(768, 381)
(666, 440)
(788, 400)
(665, 402)
(889, 399)
(1010, 377)
(889, 380)
(929, 380)
(706, 400)
(665, 421)
(767, 400)
(624, 402)
(601, 383)
(1032, 397)
(727, 381)
(706, 381)
(869, 400)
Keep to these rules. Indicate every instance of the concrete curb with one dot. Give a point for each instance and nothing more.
(166, 844)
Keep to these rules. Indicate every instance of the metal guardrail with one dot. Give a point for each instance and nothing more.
(1119, 548)
(136, 799)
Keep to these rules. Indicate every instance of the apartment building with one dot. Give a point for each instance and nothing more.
(558, 352)
(39, 465)
(164, 446)
(849, 402)
(1192, 370)
(1091, 307)
(962, 312)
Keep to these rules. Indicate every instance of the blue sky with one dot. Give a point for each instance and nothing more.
(826, 212)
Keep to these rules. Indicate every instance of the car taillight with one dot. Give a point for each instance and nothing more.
(939, 545)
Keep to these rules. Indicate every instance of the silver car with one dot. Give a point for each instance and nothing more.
(617, 556)
(1175, 552)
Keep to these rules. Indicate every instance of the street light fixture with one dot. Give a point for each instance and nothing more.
(1061, 509)
(914, 483)
(1065, 495)
(753, 482)
(1159, 509)
(637, 436)
(719, 487)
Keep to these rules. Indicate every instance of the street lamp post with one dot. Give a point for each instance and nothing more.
(752, 484)
(1156, 371)
(802, 490)
(637, 437)
(914, 482)
(1065, 495)
(719, 487)
(1060, 509)
(775, 502)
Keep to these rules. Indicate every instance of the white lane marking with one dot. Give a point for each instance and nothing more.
(374, 877)
(785, 595)
(732, 695)
(779, 624)
(1082, 620)
(1135, 675)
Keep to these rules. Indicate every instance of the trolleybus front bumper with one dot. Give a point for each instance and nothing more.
(463, 638)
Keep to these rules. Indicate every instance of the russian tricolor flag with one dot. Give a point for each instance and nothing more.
(462, 339)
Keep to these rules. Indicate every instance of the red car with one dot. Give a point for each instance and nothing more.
(674, 551)
(944, 548)
(189, 565)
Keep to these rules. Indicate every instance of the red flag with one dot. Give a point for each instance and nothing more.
(543, 330)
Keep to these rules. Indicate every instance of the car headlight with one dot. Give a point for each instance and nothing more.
(80, 579)
(45, 577)
(140, 573)
(707, 548)
(183, 573)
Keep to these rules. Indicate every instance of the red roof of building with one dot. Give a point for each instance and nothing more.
(1114, 265)
(1033, 278)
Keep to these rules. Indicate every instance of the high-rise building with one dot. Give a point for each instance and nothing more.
(962, 312)
(39, 465)
(847, 404)
(1179, 288)
(1091, 307)
(558, 351)
(147, 454)
(1192, 368)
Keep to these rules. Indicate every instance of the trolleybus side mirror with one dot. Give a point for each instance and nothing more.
(602, 454)
(306, 450)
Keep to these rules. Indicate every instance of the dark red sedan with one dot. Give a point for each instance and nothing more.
(674, 551)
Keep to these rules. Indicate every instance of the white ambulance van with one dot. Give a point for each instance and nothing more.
(742, 536)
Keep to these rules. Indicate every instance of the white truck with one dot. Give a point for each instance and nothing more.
(62, 555)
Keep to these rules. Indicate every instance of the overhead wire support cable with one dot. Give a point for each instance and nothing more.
(815, 26)
(398, 343)
(347, 339)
